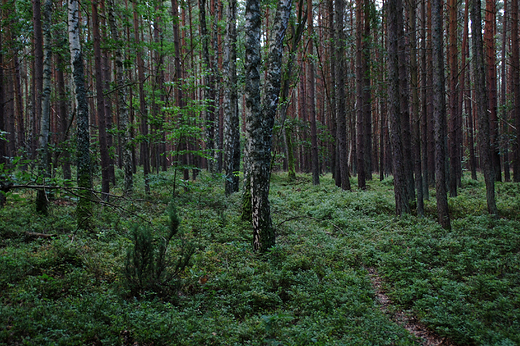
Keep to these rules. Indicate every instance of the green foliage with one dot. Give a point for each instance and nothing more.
(311, 288)
(147, 267)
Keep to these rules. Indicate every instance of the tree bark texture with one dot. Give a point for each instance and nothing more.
(439, 115)
(479, 69)
(231, 120)
(311, 97)
(395, 29)
(84, 174)
(515, 80)
(261, 113)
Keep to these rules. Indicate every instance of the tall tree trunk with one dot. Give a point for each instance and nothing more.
(360, 74)
(311, 98)
(65, 119)
(126, 146)
(44, 164)
(367, 93)
(341, 121)
(261, 113)
(84, 208)
(395, 29)
(416, 119)
(479, 69)
(504, 113)
(100, 103)
(3, 153)
(439, 115)
(37, 75)
(490, 48)
(209, 90)
(515, 67)
(424, 96)
(454, 146)
(231, 121)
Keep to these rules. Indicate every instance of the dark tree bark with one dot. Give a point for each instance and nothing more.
(395, 29)
(3, 153)
(360, 106)
(490, 48)
(209, 90)
(515, 67)
(261, 113)
(311, 100)
(37, 75)
(122, 105)
(454, 146)
(84, 208)
(439, 115)
(342, 178)
(504, 113)
(426, 115)
(100, 103)
(479, 69)
(416, 120)
(231, 120)
(44, 155)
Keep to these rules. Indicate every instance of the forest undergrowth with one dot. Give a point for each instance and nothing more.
(104, 287)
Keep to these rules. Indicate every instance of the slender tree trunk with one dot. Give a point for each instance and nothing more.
(3, 153)
(84, 208)
(37, 75)
(100, 103)
(311, 97)
(44, 164)
(515, 67)
(395, 29)
(367, 92)
(360, 74)
(231, 123)
(482, 103)
(454, 146)
(65, 119)
(424, 96)
(122, 103)
(415, 108)
(341, 121)
(439, 115)
(503, 108)
(462, 77)
(209, 90)
(490, 48)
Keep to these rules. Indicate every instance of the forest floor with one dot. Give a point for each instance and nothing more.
(345, 270)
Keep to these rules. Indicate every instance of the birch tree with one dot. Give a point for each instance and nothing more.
(260, 115)
(84, 174)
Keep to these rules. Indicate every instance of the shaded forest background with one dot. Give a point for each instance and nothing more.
(393, 88)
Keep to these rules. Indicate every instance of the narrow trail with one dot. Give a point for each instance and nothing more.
(410, 323)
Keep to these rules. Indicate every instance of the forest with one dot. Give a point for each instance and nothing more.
(252, 172)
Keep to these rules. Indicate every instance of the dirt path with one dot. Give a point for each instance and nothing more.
(410, 323)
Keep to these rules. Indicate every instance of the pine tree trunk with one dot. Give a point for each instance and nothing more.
(395, 28)
(439, 115)
(515, 67)
(490, 48)
(504, 113)
(3, 153)
(360, 73)
(416, 120)
(100, 103)
(482, 103)
(454, 146)
(84, 208)
(311, 98)
(37, 76)
(122, 103)
(341, 121)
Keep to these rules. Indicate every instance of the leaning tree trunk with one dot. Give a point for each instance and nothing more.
(483, 138)
(439, 115)
(231, 120)
(84, 208)
(41, 198)
(261, 113)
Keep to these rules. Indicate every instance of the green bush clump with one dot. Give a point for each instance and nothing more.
(147, 266)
